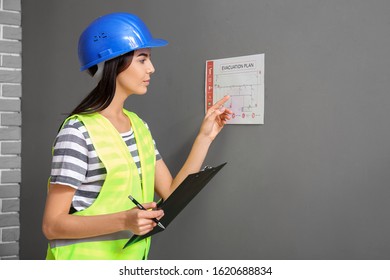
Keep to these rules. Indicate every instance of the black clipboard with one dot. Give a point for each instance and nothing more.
(179, 199)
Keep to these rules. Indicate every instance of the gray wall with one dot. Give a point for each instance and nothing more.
(311, 183)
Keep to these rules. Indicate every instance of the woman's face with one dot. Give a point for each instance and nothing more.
(136, 78)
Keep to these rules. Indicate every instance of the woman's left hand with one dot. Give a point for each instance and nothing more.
(215, 119)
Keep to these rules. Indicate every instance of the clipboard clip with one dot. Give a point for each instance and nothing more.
(206, 167)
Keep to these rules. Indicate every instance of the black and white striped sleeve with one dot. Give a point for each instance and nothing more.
(158, 155)
(70, 157)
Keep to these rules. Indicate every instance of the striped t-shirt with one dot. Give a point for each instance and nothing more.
(76, 164)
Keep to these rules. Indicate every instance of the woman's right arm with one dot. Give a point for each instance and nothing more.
(59, 224)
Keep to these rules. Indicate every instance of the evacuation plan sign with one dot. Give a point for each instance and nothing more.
(243, 79)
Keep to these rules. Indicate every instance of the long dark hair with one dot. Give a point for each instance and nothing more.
(101, 96)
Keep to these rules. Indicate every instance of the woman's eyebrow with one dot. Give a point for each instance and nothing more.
(143, 54)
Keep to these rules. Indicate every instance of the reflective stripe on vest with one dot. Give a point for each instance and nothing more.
(122, 179)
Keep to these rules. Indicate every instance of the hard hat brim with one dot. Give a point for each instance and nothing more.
(156, 43)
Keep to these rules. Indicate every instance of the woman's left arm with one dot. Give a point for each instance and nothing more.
(212, 124)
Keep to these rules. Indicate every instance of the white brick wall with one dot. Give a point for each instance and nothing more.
(10, 126)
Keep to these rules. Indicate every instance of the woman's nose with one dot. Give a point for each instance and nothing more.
(151, 68)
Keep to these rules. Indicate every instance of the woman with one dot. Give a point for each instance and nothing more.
(103, 153)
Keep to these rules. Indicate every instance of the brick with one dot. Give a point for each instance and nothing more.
(9, 191)
(11, 119)
(12, 90)
(9, 249)
(10, 133)
(8, 258)
(10, 105)
(11, 234)
(9, 220)
(12, 61)
(11, 148)
(13, 5)
(10, 18)
(11, 176)
(10, 46)
(10, 162)
(7, 76)
(13, 33)
(10, 205)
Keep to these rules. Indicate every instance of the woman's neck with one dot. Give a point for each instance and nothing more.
(114, 113)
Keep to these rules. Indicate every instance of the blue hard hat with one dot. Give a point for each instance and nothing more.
(112, 35)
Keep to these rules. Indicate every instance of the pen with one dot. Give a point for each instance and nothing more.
(143, 208)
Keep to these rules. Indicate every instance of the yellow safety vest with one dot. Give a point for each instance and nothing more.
(122, 180)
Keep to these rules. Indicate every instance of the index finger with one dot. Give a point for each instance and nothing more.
(151, 214)
(220, 102)
(149, 205)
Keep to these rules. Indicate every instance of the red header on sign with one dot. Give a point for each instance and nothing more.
(209, 84)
